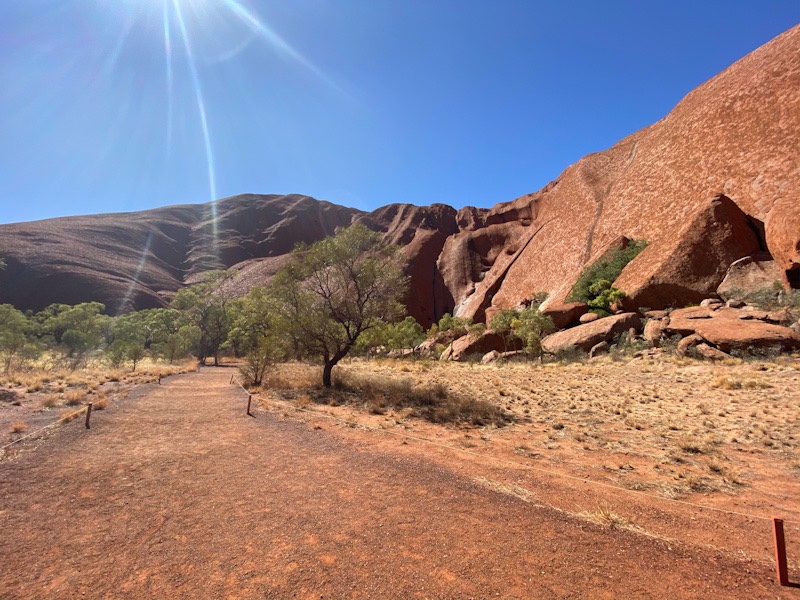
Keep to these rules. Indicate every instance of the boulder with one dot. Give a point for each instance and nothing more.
(598, 349)
(690, 341)
(732, 303)
(712, 303)
(782, 230)
(710, 353)
(490, 357)
(587, 335)
(566, 315)
(733, 329)
(477, 344)
(735, 334)
(653, 331)
(656, 314)
(684, 320)
(589, 317)
(689, 266)
(748, 274)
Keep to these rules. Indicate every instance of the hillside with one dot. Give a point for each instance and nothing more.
(715, 181)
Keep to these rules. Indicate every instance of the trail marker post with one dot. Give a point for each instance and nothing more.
(249, 400)
(88, 414)
(780, 551)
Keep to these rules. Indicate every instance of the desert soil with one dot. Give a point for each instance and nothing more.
(176, 492)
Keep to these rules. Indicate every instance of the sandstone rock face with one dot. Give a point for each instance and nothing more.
(588, 318)
(714, 181)
(588, 335)
(566, 315)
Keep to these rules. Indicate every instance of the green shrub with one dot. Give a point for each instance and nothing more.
(594, 284)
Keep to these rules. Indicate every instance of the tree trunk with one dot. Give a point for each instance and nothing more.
(326, 373)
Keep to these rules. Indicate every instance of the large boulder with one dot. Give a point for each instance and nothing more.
(588, 335)
(688, 267)
(566, 314)
(736, 334)
(470, 345)
(749, 274)
(783, 230)
(732, 329)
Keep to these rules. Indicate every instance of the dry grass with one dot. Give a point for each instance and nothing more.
(75, 398)
(18, 427)
(678, 426)
(100, 404)
(605, 516)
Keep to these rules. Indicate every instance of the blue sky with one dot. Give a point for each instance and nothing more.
(122, 105)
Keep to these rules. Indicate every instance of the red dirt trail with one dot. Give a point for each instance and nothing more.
(176, 493)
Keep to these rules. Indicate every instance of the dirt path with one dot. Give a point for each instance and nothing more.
(176, 493)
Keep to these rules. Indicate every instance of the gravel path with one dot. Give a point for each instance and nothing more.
(176, 493)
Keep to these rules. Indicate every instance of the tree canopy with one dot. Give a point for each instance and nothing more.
(333, 291)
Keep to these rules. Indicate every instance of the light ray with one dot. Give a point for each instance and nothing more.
(278, 42)
(135, 281)
(168, 56)
(201, 107)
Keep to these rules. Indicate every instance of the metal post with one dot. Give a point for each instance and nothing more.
(780, 551)
(249, 399)
(88, 413)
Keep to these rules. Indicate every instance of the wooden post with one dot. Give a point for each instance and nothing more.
(88, 413)
(231, 381)
(249, 400)
(780, 551)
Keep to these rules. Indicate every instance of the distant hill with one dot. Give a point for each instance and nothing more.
(715, 181)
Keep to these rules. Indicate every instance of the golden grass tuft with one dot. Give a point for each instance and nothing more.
(18, 427)
(75, 397)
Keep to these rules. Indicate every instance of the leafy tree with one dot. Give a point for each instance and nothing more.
(14, 330)
(171, 336)
(457, 325)
(256, 333)
(130, 335)
(531, 326)
(76, 329)
(502, 324)
(205, 306)
(405, 334)
(332, 292)
(603, 296)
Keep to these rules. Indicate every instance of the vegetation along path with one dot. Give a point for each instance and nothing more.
(176, 493)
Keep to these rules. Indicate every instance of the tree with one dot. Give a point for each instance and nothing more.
(332, 292)
(531, 326)
(76, 329)
(205, 306)
(405, 334)
(256, 333)
(14, 329)
(502, 325)
(129, 336)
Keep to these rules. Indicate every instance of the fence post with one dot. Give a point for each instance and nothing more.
(780, 551)
(249, 399)
(88, 414)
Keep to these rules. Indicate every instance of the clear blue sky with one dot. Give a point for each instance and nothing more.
(121, 105)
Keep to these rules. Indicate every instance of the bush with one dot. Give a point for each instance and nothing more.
(594, 284)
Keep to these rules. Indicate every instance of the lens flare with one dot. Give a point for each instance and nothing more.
(126, 301)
